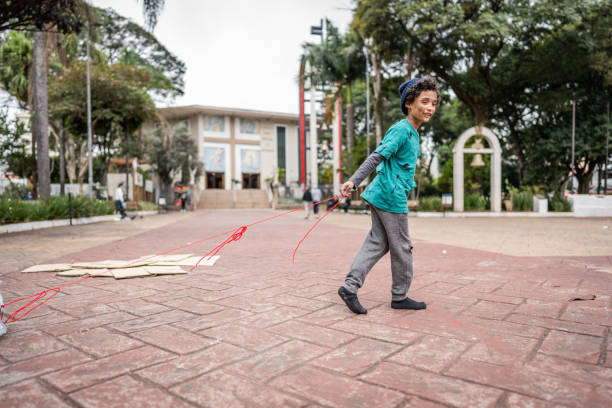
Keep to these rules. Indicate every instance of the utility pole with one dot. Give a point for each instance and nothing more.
(607, 151)
(367, 58)
(89, 136)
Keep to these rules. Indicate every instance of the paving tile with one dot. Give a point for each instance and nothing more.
(323, 388)
(36, 366)
(442, 287)
(147, 322)
(189, 366)
(432, 386)
(139, 307)
(573, 327)
(357, 356)
(502, 350)
(174, 339)
(88, 323)
(221, 389)
(194, 306)
(416, 402)
(530, 382)
(311, 333)
(29, 394)
(125, 391)
(24, 345)
(583, 314)
(490, 310)
(85, 308)
(540, 308)
(216, 295)
(254, 304)
(521, 401)
(274, 361)
(273, 317)
(366, 328)
(572, 346)
(245, 337)
(328, 316)
(574, 370)
(100, 342)
(93, 372)
(431, 353)
(296, 301)
(52, 318)
(315, 290)
(215, 319)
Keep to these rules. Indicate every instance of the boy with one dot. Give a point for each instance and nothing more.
(395, 161)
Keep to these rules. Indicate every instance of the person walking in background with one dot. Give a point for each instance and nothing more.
(316, 197)
(395, 161)
(183, 201)
(307, 199)
(120, 201)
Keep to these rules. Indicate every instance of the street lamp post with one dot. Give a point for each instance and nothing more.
(89, 136)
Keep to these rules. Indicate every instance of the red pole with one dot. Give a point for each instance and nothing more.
(339, 110)
(302, 130)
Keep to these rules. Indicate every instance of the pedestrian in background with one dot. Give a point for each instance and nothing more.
(307, 199)
(316, 197)
(120, 201)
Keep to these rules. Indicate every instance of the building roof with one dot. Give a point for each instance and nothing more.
(178, 112)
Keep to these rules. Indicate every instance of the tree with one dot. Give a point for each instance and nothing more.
(120, 105)
(385, 40)
(171, 156)
(66, 15)
(339, 60)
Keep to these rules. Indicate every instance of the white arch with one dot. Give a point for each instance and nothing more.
(458, 153)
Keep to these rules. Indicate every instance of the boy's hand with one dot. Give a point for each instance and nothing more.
(347, 187)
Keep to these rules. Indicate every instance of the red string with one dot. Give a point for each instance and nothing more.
(40, 298)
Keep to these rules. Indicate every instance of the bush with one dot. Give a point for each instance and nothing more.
(559, 204)
(475, 202)
(522, 201)
(14, 210)
(431, 203)
(147, 206)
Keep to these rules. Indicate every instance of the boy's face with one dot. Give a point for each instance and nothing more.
(424, 106)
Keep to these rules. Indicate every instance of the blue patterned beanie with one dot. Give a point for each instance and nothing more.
(403, 91)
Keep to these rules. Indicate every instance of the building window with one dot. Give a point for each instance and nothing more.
(214, 123)
(280, 145)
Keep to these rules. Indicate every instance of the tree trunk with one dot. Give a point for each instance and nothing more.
(378, 111)
(127, 162)
(40, 126)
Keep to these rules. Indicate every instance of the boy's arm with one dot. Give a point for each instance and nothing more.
(366, 168)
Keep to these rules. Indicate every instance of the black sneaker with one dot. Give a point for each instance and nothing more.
(408, 304)
(351, 301)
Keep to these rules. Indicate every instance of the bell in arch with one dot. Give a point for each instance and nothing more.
(477, 160)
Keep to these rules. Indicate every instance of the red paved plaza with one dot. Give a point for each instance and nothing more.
(256, 330)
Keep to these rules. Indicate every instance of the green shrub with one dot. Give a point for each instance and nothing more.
(522, 201)
(147, 206)
(475, 202)
(559, 204)
(13, 210)
(431, 203)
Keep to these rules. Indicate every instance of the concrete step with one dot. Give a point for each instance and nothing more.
(212, 198)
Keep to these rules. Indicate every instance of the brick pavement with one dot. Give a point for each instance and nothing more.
(257, 331)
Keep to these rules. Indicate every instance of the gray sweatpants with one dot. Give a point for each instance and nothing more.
(389, 233)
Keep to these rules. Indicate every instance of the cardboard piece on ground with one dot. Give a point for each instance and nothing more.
(165, 270)
(110, 263)
(85, 272)
(47, 268)
(191, 261)
(168, 258)
(125, 273)
(210, 260)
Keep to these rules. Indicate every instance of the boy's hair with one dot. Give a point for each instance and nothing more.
(120, 184)
(427, 83)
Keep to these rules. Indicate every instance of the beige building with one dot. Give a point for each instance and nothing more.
(240, 146)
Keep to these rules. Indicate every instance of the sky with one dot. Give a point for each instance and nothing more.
(239, 53)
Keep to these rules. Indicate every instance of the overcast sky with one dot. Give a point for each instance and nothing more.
(239, 53)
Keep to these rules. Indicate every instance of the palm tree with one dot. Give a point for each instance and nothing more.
(339, 60)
